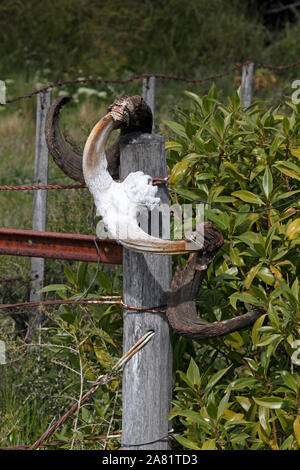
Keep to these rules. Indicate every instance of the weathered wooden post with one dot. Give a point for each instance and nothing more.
(147, 378)
(149, 95)
(247, 84)
(39, 199)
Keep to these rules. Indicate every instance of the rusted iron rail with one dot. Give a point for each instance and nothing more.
(56, 245)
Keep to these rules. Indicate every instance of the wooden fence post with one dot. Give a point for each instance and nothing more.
(147, 378)
(149, 95)
(247, 84)
(39, 200)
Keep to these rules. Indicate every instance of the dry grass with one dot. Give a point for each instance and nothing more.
(67, 211)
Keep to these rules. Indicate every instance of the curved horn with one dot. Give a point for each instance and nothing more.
(118, 203)
(68, 160)
(182, 311)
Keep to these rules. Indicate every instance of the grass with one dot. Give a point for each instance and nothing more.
(68, 211)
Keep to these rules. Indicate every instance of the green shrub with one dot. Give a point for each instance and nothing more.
(242, 391)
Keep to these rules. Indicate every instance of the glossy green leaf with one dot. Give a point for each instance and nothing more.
(246, 298)
(295, 152)
(267, 182)
(194, 97)
(187, 443)
(223, 404)
(269, 402)
(235, 257)
(70, 275)
(176, 127)
(264, 414)
(265, 340)
(293, 230)
(290, 381)
(215, 379)
(255, 330)
(270, 236)
(266, 276)
(296, 426)
(244, 402)
(81, 274)
(192, 416)
(104, 281)
(251, 275)
(210, 444)
(193, 373)
(178, 171)
(55, 288)
(288, 168)
(171, 145)
(247, 196)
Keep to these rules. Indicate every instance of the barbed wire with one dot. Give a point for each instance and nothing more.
(24, 187)
(121, 81)
(237, 66)
(278, 68)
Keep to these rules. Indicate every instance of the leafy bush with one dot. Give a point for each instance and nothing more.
(78, 344)
(243, 390)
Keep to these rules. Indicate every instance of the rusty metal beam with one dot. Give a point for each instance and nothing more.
(59, 246)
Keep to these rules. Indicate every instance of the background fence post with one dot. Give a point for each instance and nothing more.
(247, 84)
(149, 94)
(39, 201)
(147, 378)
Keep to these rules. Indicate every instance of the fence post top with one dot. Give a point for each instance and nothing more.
(138, 137)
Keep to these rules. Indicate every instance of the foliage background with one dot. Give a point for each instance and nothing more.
(237, 392)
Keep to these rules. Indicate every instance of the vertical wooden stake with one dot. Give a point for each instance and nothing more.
(149, 95)
(39, 199)
(147, 377)
(247, 84)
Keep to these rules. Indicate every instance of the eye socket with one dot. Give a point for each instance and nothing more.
(149, 180)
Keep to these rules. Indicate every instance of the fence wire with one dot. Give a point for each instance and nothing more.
(237, 66)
